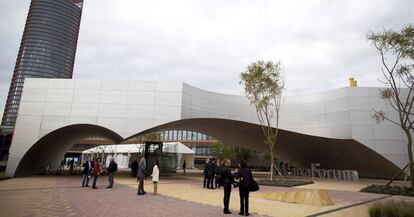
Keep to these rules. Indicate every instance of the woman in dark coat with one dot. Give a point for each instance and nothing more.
(226, 180)
(244, 175)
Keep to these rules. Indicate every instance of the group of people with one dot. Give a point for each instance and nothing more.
(211, 172)
(215, 176)
(93, 168)
(221, 175)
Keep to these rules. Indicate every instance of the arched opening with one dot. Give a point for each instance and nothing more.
(345, 154)
(50, 149)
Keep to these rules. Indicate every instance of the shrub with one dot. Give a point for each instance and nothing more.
(3, 176)
(392, 209)
(393, 190)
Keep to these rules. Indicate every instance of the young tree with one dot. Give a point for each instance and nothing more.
(264, 85)
(222, 151)
(397, 55)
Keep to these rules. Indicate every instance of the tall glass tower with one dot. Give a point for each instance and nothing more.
(47, 48)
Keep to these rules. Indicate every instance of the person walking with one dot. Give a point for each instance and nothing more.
(112, 168)
(225, 178)
(184, 166)
(205, 173)
(155, 176)
(87, 170)
(244, 175)
(96, 172)
(141, 176)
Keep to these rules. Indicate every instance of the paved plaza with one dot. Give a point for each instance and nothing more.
(180, 196)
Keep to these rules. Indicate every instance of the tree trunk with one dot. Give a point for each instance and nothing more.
(271, 164)
(410, 156)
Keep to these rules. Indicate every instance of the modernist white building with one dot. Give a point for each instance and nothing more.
(334, 128)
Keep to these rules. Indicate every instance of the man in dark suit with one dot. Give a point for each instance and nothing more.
(141, 176)
(87, 170)
(226, 180)
(112, 168)
(205, 173)
(211, 173)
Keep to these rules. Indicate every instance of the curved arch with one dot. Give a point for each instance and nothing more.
(50, 148)
(295, 147)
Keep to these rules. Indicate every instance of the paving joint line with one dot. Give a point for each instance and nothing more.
(349, 206)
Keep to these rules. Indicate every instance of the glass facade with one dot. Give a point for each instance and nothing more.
(189, 136)
(173, 135)
(47, 48)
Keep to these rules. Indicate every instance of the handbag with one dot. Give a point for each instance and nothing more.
(253, 186)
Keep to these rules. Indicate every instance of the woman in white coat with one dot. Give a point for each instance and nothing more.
(155, 175)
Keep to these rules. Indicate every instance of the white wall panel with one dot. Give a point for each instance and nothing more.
(31, 108)
(84, 109)
(59, 95)
(54, 122)
(86, 96)
(57, 108)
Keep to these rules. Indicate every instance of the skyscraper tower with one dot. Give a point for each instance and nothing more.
(47, 48)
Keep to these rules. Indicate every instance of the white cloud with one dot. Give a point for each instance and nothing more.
(208, 43)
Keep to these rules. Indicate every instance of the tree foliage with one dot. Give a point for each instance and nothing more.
(151, 137)
(397, 56)
(222, 151)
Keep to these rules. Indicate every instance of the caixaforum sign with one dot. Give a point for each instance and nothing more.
(314, 172)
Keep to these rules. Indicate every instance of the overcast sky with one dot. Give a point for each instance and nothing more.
(208, 43)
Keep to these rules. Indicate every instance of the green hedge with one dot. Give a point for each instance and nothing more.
(392, 209)
(393, 190)
(285, 182)
(3, 176)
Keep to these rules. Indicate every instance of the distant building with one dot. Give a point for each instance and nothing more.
(47, 49)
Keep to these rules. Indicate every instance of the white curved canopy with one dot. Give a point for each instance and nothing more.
(168, 147)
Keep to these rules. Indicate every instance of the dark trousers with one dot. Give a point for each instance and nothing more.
(94, 181)
(244, 200)
(216, 184)
(210, 181)
(111, 179)
(71, 169)
(141, 186)
(85, 181)
(205, 182)
(226, 199)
